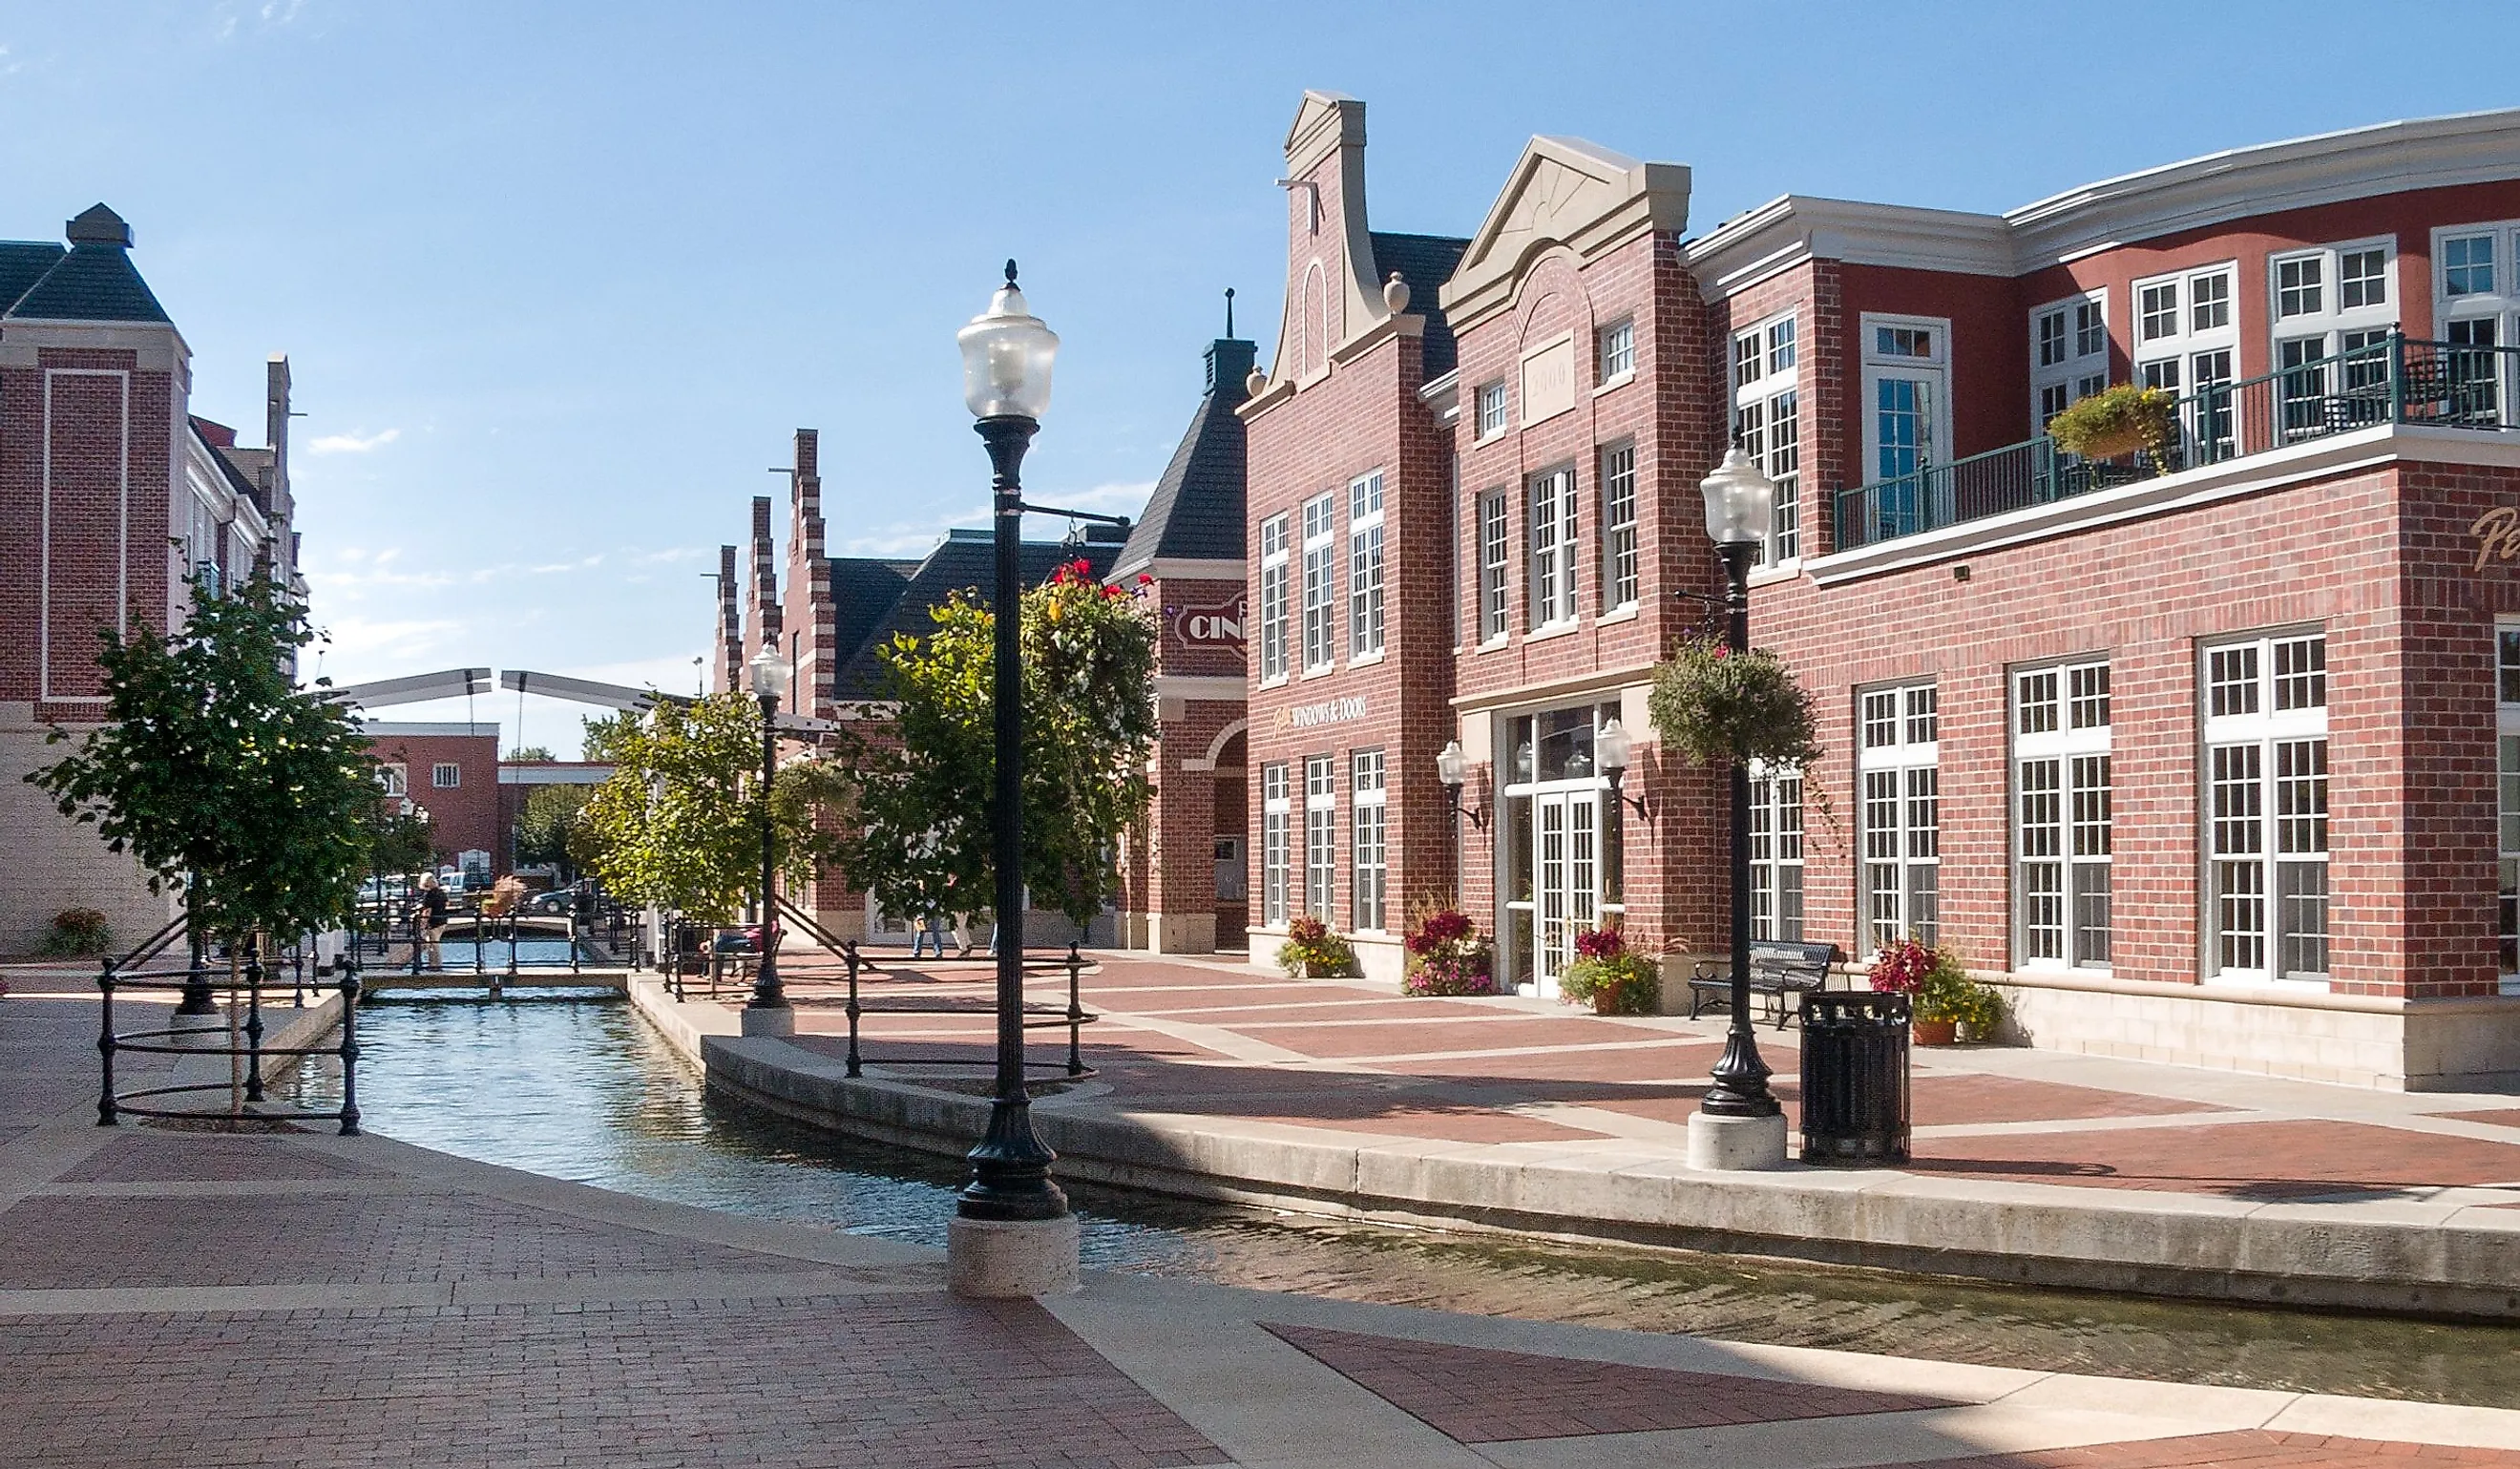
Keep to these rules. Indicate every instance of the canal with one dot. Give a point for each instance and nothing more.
(581, 1089)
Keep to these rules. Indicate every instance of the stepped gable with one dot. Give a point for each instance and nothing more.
(965, 560)
(1424, 263)
(95, 280)
(1195, 513)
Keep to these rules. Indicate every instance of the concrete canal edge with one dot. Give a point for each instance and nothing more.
(2392, 1256)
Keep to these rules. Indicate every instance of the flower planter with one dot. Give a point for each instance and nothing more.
(1934, 1032)
(1605, 1003)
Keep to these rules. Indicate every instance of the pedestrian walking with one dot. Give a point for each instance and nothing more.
(428, 924)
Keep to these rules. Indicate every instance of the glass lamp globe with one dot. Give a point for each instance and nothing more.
(1007, 356)
(1611, 745)
(1741, 502)
(769, 669)
(1452, 767)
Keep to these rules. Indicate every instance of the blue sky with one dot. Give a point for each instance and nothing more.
(559, 280)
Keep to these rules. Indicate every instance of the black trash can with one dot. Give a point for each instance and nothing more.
(1854, 1076)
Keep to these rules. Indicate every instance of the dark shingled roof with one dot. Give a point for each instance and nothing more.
(95, 282)
(1196, 509)
(964, 561)
(1425, 262)
(22, 262)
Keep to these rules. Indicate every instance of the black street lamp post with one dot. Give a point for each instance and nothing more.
(1007, 355)
(1739, 504)
(768, 1012)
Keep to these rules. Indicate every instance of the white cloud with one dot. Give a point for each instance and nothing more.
(364, 642)
(352, 443)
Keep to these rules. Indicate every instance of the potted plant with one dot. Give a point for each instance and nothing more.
(1712, 704)
(1447, 955)
(76, 933)
(2117, 421)
(1313, 952)
(1609, 977)
(1944, 998)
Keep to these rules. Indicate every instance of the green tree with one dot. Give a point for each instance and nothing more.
(544, 821)
(914, 831)
(398, 844)
(532, 752)
(221, 777)
(679, 821)
(600, 735)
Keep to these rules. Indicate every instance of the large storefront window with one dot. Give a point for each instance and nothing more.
(2062, 817)
(1899, 733)
(1776, 855)
(1320, 834)
(1560, 839)
(1275, 812)
(2266, 808)
(2506, 691)
(1365, 844)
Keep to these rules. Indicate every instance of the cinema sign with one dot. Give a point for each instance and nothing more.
(1212, 624)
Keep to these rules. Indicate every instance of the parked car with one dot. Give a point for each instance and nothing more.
(555, 902)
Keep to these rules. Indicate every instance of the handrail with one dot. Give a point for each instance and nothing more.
(2397, 379)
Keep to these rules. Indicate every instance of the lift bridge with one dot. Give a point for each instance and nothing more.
(461, 683)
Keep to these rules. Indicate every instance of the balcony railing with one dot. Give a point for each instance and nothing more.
(2392, 380)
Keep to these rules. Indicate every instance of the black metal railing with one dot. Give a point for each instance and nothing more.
(2394, 379)
(241, 1042)
(1035, 1016)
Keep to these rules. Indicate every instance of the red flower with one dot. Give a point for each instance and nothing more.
(1144, 580)
(1599, 942)
(1723, 651)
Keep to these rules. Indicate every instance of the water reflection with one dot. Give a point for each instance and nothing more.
(579, 1088)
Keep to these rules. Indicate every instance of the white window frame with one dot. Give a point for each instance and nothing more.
(1321, 835)
(1275, 814)
(1552, 546)
(1899, 801)
(2506, 743)
(1492, 403)
(445, 774)
(2070, 375)
(2191, 356)
(1622, 562)
(2269, 739)
(1933, 366)
(1767, 424)
(2456, 318)
(1369, 841)
(1273, 599)
(1615, 353)
(1321, 584)
(2333, 322)
(1496, 566)
(2062, 795)
(1365, 626)
(394, 779)
(1777, 889)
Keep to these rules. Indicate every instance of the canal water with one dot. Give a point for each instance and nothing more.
(581, 1088)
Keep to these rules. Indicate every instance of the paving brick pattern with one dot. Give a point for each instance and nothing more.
(56, 1242)
(138, 1157)
(2254, 1448)
(1481, 1397)
(906, 1381)
(2258, 1160)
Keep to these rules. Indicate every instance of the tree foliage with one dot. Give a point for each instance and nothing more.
(917, 831)
(677, 824)
(221, 775)
(544, 823)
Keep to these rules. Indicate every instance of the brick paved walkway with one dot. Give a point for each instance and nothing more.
(185, 1299)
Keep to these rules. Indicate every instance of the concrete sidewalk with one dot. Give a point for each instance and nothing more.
(2030, 1165)
(185, 1299)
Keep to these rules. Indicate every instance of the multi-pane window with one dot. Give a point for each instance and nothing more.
(2157, 311)
(1274, 811)
(1776, 854)
(445, 774)
(1553, 548)
(2070, 352)
(1320, 834)
(1619, 573)
(1321, 582)
(2331, 300)
(2191, 351)
(1370, 868)
(2299, 287)
(2266, 808)
(2209, 302)
(2467, 265)
(1495, 546)
(1364, 564)
(2061, 831)
(1492, 409)
(1617, 357)
(1273, 599)
(2476, 305)
(1767, 422)
(1897, 759)
(2506, 700)
(2361, 278)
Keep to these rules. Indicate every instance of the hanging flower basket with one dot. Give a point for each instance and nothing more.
(2117, 421)
(1712, 704)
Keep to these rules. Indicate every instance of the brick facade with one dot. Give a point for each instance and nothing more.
(466, 815)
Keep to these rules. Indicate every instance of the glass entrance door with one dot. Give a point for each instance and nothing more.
(1568, 892)
(1903, 447)
(1559, 845)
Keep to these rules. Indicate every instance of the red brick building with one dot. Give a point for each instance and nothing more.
(452, 772)
(2212, 756)
(124, 509)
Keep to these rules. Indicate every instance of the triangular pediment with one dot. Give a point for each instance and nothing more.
(1319, 111)
(1569, 192)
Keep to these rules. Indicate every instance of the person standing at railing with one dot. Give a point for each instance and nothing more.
(428, 924)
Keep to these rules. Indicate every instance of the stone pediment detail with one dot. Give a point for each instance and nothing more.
(1567, 191)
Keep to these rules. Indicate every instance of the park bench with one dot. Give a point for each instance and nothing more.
(1777, 970)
